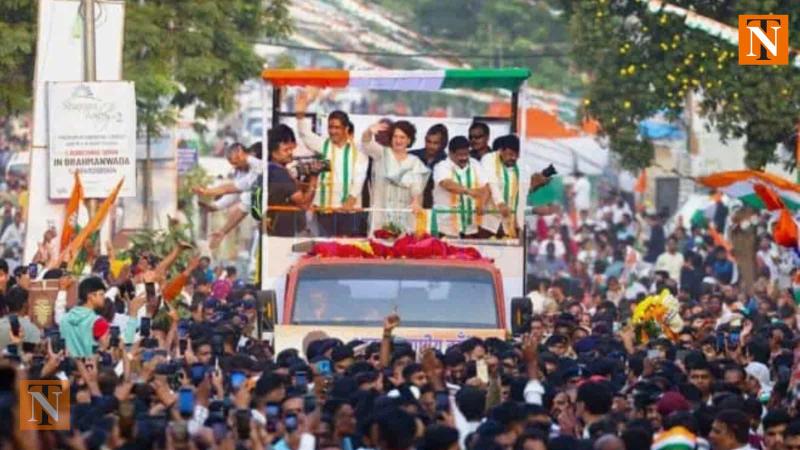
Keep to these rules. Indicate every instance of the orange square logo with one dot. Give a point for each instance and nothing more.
(763, 40)
(44, 405)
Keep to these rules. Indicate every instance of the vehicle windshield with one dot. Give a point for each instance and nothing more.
(424, 296)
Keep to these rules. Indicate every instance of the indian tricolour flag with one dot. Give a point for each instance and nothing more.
(676, 438)
(741, 184)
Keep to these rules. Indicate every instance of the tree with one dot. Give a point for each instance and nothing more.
(182, 53)
(642, 62)
(179, 52)
(512, 32)
(17, 40)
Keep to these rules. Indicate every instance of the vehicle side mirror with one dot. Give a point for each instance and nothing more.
(521, 312)
(267, 307)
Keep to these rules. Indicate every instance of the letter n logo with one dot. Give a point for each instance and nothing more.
(763, 40)
(44, 405)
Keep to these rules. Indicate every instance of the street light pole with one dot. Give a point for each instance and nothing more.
(89, 59)
(89, 63)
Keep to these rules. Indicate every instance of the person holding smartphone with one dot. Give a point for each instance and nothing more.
(295, 423)
(18, 321)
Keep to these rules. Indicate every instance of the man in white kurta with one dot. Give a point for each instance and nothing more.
(339, 189)
(503, 176)
(460, 191)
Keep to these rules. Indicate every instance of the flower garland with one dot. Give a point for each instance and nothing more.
(655, 315)
(406, 247)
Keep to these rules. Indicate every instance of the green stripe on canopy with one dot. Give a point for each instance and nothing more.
(511, 78)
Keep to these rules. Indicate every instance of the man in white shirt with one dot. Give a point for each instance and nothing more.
(248, 168)
(619, 210)
(502, 173)
(671, 261)
(340, 188)
(460, 190)
(582, 190)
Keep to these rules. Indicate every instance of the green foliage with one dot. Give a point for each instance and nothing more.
(505, 29)
(188, 181)
(17, 40)
(178, 53)
(195, 52)
(641, 63)
(160, 243)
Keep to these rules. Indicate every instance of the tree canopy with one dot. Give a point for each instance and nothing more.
(641, 63)
(512, 32)
(17, 41)
(177, 52)
(188, 52)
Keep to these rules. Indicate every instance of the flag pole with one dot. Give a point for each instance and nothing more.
(90, 69)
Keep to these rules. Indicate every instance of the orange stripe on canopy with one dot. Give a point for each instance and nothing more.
(723, 179)
(335, 78)
(771, 200)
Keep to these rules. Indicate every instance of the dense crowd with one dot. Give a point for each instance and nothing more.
(13, 187)
(162, 356)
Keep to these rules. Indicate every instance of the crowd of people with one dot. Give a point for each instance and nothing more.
(161, 356)
(13, 187)
(177, 362)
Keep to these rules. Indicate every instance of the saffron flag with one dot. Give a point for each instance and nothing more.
(94, 224)
(785, 231)
(69, 230)
(174, 287)
(641, 183)
(718, 238)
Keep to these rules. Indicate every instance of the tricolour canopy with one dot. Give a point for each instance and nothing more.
(399, 80)
(742, 184)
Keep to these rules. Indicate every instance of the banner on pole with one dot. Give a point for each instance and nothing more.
(92, 130)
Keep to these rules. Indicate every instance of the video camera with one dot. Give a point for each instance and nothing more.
(309, 166)
(549, 171)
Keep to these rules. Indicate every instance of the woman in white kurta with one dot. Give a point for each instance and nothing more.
(398, 178)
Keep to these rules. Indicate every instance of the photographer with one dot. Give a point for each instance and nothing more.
(285, 190)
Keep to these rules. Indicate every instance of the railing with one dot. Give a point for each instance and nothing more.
(422, 216)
